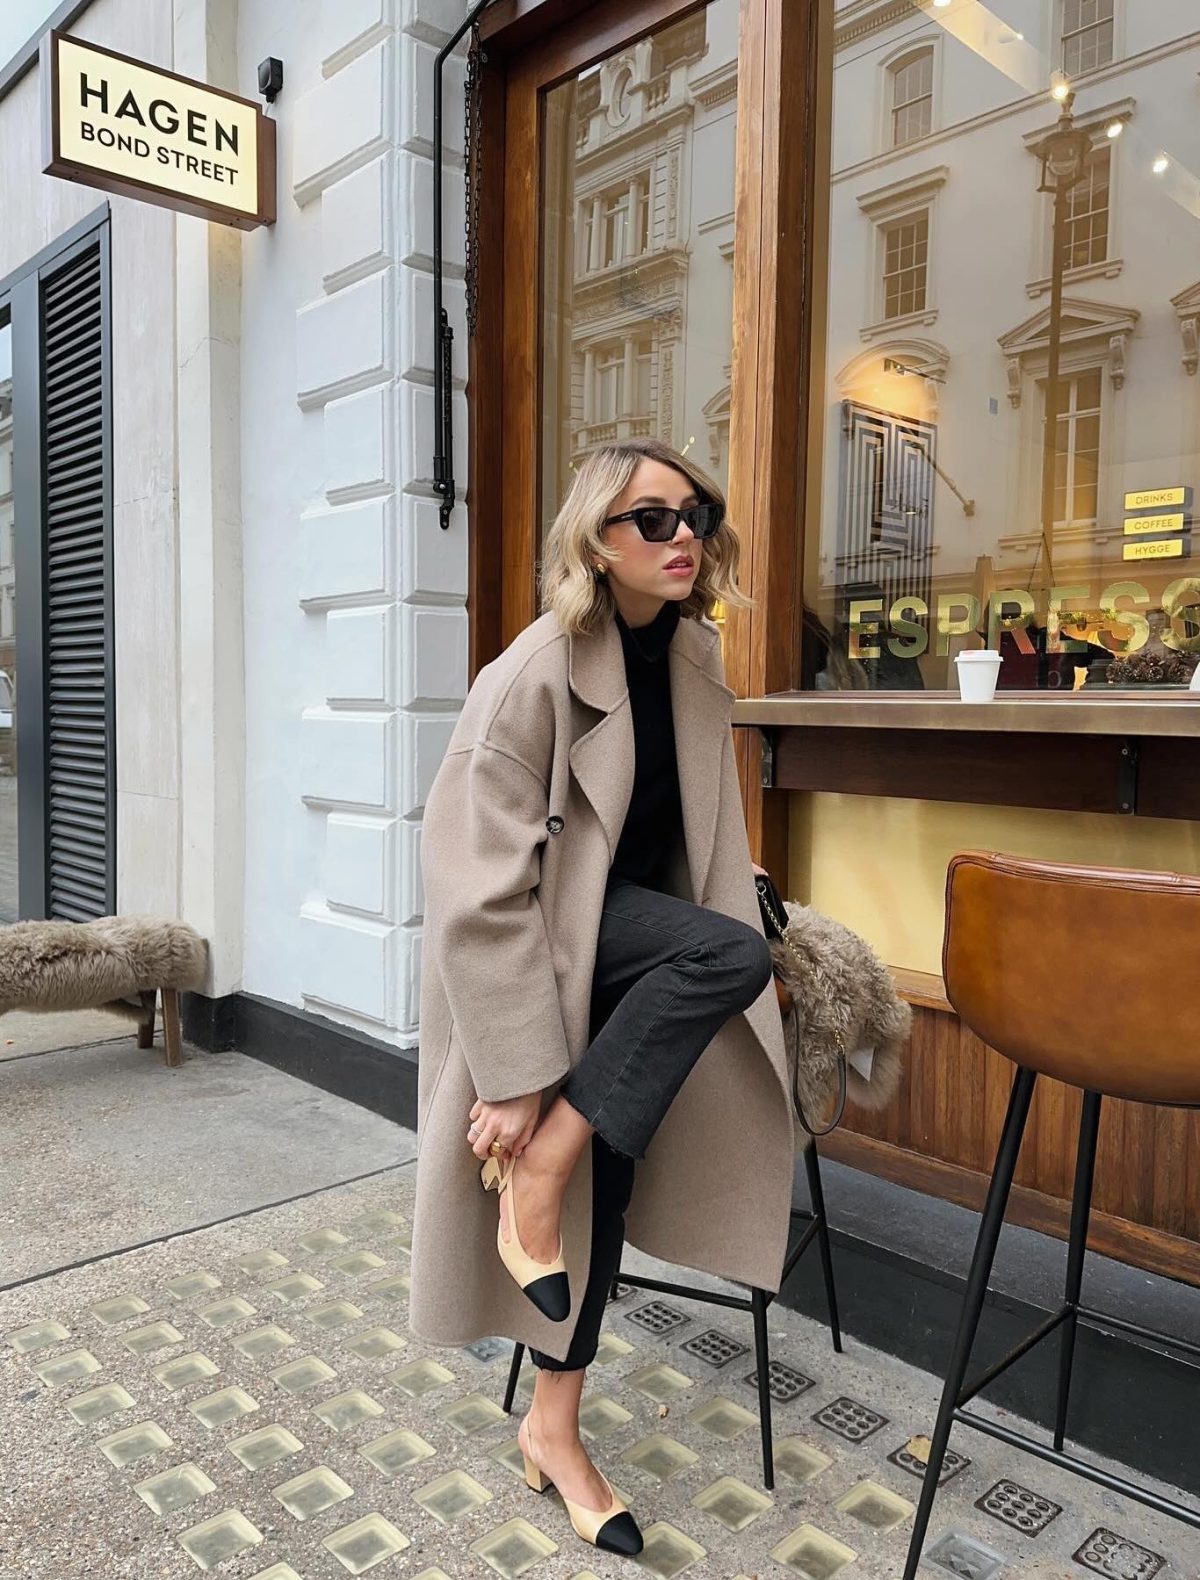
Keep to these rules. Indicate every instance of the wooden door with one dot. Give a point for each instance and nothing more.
(634, 211)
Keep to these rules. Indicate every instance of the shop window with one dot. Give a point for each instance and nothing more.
(905, 265)
(636, 244)
(912, 97)
(1087, 35)
(1086, 239)
(939, 514)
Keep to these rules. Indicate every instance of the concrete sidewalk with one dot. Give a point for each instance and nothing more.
(241, 1393)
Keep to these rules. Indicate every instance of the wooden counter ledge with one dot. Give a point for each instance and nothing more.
(1024, 712)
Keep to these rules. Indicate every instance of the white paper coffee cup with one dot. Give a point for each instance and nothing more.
(977, 675)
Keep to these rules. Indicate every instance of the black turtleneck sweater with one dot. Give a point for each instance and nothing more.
(655, 815)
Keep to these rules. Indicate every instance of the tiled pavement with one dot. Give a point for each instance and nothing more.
(247, 1400)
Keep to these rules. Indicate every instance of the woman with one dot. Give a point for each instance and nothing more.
(599, 1027)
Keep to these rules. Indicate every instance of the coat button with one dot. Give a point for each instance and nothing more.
(554, 824)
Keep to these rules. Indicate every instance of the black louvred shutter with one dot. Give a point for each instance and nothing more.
(80, 779)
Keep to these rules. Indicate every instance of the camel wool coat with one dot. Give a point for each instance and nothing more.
(520, 828)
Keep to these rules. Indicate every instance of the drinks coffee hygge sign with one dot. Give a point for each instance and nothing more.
(116, 123)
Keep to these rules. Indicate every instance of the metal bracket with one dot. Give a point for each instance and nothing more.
(1127, 778)
(767, 740)
(443, 334)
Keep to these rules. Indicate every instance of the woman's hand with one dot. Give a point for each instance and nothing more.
(511, 1123)
(759, 871)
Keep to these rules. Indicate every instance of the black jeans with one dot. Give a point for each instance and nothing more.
(668, 975)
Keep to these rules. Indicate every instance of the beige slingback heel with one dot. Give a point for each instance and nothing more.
(545, 1283)
(612, 1530)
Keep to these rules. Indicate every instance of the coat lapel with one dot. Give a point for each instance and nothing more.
(602, 759)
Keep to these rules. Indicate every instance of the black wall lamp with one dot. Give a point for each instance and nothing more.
(270, 78)
(443, 334)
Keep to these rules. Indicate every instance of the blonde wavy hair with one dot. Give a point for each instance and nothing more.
(583, 600)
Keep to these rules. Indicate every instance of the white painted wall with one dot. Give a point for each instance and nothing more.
(355, 622)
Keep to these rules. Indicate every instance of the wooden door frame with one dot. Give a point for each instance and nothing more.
(531, 44)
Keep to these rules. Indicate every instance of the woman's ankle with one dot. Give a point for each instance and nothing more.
(553, 1428)
(547, 1159)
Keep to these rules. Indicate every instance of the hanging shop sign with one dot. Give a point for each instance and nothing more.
(1163, 532)
(1156, 549)
(1163, 521)
(1156, 498)
(119, 124)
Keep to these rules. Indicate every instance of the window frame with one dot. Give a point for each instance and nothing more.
(902, 52)
(918, 270)
(883, 208)
(1102, 153)
(1095, 122)
(1060, 39)
(920, 52)
(1068, 417)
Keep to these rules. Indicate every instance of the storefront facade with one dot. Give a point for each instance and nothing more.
(810, 242)
(286, 643)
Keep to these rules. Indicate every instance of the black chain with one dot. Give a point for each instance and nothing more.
(473, 150)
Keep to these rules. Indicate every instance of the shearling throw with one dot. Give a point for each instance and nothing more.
(105, 964)
(843, 1000)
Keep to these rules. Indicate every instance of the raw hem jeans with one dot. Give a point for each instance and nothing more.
(668, 975)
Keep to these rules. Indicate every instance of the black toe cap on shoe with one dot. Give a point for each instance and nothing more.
(552, 1296)
(620, 1535)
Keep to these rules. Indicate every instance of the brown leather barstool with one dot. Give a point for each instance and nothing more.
(1025, 986)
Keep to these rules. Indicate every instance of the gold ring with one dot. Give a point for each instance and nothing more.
(496, 1148)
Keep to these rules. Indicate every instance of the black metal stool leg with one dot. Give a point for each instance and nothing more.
(976, 1292)
(812, 1165)
(759, 1301)
(514, 1372)
(1081, 1208)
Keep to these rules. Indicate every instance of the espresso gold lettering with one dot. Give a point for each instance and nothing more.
(1181, 605)
(1016, 623)
(1072, 598)
(87, 131)
(87, 92)
(196, 120)
(860, 628)
(910, 638)
(164, 116)
(1118, 620)
(948, 627)
(226, 136)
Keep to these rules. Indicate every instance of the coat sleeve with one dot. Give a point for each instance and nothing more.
(481, 848)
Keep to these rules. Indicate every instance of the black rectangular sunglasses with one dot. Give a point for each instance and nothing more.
(659, 523)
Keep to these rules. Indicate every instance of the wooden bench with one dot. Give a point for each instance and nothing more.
(116, 963)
